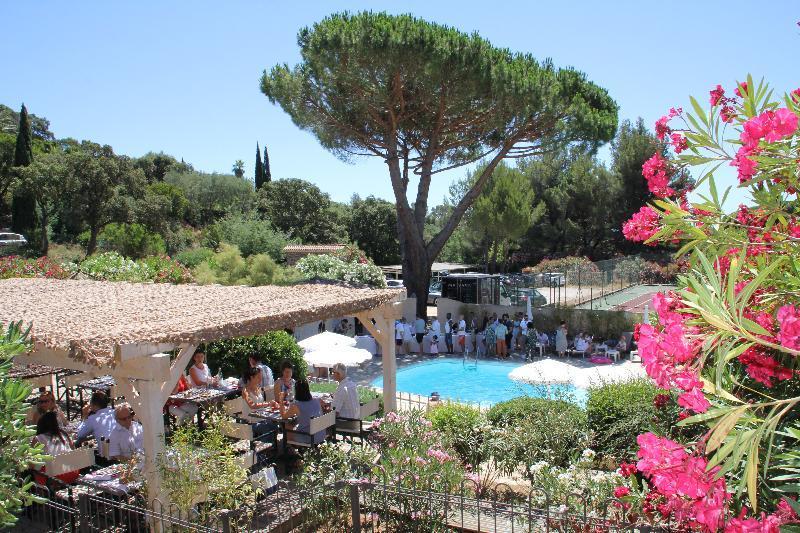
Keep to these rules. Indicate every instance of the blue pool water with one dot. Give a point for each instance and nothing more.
(485, 383)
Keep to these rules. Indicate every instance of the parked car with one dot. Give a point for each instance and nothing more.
(395, 283)
(434, 293)
(12, 240)
(553, 279)
(537, 298)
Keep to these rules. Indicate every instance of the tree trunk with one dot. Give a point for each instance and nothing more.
(417, 273)
(45, 223)
(92, 246)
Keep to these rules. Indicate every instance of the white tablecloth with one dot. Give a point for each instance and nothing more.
(367, 342)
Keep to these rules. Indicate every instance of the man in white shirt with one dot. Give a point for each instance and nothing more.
(436, 328)
(126, 439)
(98, 419)
(399, 331)
(345, 399)
(462, 333)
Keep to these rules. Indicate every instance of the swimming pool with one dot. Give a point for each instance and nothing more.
(485, 383)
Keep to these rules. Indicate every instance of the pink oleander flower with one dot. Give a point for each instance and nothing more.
(620, 492)
(642, 225)
(627, 469)
(762, 367)
(795, 95)
(716, 95)
(745, 166)
(679, 142)
(662, 130)
(771, 126)
(694, 400)
(741, 89)
(789, 324)
(666, 306)
(656, 171)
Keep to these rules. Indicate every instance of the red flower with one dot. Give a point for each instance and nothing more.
(661, 400)
(642, 225)
(741, 89)
(620, 492)
(627, 469)
(679, 143)
(716, 95)
(656, 171)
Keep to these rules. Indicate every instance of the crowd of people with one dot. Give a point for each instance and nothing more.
(493, 335)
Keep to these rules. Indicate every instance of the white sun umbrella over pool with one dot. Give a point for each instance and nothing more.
(327, 357)
(544, 371)
(324, 340)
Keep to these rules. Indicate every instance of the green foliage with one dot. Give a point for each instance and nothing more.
(203, 465)
(251, 234)
(568, 265)
(192, 257)
(258, 176)
(228, 267)
(130, 240)
(373, 227)
(464, 428)
(16, 452)
(23, 206)
(230, 355)
(45, 180)
(302, 211)
(617, 413)
(538, 429)
(156, 165)
(111, 266)
(40, 126)
(331, 267)
(212, 196)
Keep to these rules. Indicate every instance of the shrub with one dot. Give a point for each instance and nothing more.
(252, 235)
(617, 413)
(463, 427)
(568, 265)
(13, 266)
(66, 253)
(228, 267)
(164, 269)
(130, 240)
(230, 355)
(331, 267)
(192, 257)
(539, 429)
(111, 266)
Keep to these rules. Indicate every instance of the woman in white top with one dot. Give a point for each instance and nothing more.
(199, 374)
(54, 442)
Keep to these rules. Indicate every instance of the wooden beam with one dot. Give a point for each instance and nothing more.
(150, 415)
(177, 368)
(124, 352)
(132, 369)
(386, 325)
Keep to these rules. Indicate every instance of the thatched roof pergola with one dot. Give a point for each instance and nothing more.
(123, 329)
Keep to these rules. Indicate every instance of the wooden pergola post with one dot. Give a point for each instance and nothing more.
(383, 331)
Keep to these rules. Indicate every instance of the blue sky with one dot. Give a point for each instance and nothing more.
(182, 77)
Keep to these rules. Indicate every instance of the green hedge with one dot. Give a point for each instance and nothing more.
(463, 428)
(230, 355)
(539, 429)
(617, 413)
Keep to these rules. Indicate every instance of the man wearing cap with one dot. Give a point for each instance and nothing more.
(345, 399)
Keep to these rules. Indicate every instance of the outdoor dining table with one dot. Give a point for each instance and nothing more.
(108, 480)
(203, 397)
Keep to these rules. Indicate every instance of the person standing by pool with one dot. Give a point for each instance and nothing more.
(501, 330)
(398, 336)
(419, 330)
(561, 339)
(408, 334)
(462, 333)
(448, 333)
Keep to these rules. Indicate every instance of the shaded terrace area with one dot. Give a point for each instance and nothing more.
(124, 329)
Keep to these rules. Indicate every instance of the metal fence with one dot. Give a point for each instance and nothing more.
(577, 284)
(355, 505)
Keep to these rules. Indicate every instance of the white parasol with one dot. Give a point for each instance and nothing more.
(327, 357)
(581, 373)
(544, 371)
(325, 340)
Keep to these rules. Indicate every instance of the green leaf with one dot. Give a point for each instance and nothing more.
(701, 114)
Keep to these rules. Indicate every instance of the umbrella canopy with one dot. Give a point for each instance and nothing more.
(347, 355)
(544, 371)
(324, 340)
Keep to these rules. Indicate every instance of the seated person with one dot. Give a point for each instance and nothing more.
(345, 399)
(181, 410)
(582, 343)
(267, 380)
(253, 399)
(55, 442)
(199, 374)
(622, 344)
(45, 404)
(98, 419)
(305, 407)
(284, 386)
(126, 439)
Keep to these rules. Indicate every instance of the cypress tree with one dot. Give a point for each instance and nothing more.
(267, 173)
(23, 206)
(259, 168)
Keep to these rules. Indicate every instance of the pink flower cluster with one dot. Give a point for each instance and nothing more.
(762, 367)
(656, 171)
(691, 493)
(784, 514)
(717, 98)
(439, 455)
(642, 225)
(789, 320)
(770, 126)
(667, 353)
